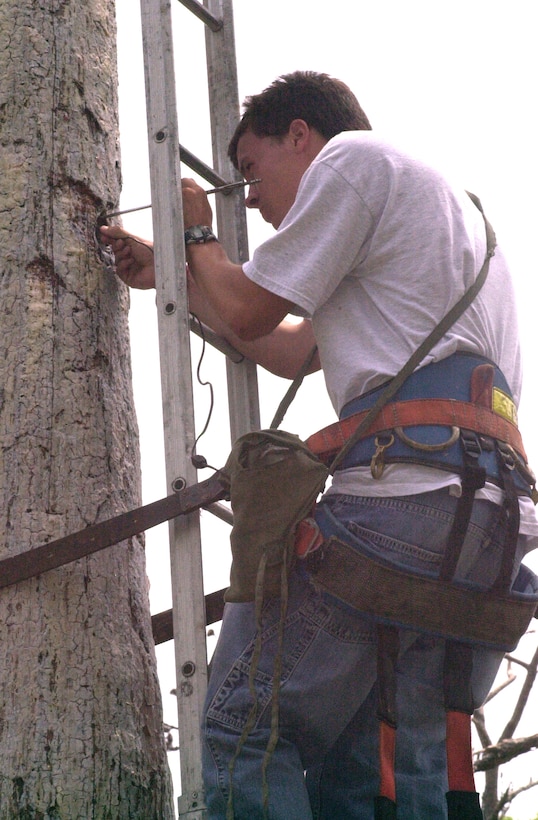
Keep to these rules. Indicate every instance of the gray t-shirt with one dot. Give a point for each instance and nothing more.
(376, 248)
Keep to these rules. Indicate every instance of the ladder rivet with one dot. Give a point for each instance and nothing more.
(160, 136)
(170, 308)
(188, 669)
(178, 484)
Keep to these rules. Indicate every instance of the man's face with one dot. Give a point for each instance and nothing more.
(280, 167)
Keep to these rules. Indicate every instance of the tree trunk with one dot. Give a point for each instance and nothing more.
(80, 714)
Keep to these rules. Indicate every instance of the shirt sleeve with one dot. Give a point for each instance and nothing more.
(322, 239)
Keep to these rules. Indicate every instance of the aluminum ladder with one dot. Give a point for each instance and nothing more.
(165, 154)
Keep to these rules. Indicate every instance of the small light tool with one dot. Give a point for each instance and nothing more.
(221, 189)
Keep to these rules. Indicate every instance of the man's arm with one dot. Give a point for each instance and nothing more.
(282, 350)
(249, 310)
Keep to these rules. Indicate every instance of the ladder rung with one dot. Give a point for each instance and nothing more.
(201, 168)
(203, 14)
(162, 623)
(209, 336)
(220, 511)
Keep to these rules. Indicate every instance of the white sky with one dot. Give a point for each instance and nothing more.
(454, 81)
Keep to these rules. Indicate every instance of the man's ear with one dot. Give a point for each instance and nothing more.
(299, 133)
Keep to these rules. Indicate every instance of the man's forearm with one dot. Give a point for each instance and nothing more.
(247, 309)
(281, 351)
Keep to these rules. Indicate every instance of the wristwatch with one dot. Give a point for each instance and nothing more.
(199, 235)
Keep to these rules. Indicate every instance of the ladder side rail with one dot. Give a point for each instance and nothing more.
(177, 393)
(243, 399)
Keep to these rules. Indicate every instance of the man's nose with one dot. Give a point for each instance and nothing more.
(251, 199)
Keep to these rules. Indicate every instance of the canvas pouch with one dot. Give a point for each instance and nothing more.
(273, 482)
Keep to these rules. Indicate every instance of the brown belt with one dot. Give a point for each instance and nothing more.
(327, 442)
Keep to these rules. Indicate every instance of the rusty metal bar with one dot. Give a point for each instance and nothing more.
(62, 551)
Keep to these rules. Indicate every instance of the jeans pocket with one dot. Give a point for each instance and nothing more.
(412, 532)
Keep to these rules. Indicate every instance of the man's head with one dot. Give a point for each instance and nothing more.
(281, 132)
(324, 103)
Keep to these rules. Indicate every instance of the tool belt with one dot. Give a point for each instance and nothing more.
(391, 595)
(458, 415)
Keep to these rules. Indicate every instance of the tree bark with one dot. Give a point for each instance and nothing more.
(80, 713)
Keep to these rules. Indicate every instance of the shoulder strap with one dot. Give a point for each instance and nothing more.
(291, 392)
(429, 342)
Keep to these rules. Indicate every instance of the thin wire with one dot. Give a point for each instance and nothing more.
(199, 461)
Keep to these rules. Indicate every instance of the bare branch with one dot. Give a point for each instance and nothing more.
(513, 793)
(512, 659)
(507, 798)
(502, 752)
(528, 683)
(510, 678)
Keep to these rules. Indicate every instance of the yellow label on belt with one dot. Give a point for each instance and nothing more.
(503, 405)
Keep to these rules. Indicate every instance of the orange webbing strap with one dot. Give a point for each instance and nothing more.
(459, 752)
(327, 442)
(462, 799)
(388, 646)
(387, 750)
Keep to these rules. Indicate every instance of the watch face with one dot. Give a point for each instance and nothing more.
(199, 234)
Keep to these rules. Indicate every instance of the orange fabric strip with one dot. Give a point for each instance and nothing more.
(446, 412)
(387, 748)
(459, 752)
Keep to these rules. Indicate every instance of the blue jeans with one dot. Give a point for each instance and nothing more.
(325, 764)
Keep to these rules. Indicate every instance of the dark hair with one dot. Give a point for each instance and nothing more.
(323, 102)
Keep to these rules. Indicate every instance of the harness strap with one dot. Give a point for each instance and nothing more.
(463, 806)
(388, 647)
(510, 513)
(444, 412)
(462, 799)
(473, 478)
(384, 809)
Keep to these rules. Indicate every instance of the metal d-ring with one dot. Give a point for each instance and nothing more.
(377, 464)
(429, 448)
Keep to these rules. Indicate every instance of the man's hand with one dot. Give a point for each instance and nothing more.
(281, 351)
(134, 257)
(196, 207)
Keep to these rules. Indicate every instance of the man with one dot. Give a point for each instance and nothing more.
(372, 248)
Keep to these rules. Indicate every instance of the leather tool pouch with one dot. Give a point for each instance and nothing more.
(401, 598)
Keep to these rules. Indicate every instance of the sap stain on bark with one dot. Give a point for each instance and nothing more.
(42, 268)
